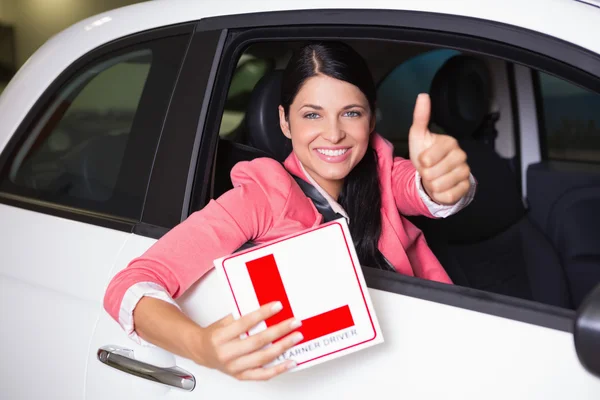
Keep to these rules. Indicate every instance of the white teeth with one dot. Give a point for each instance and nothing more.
(332, 153)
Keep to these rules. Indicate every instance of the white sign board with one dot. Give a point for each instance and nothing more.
(316, 275)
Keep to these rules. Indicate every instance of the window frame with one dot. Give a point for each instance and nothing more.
(169, 195)
(548, 54)
(19, 197)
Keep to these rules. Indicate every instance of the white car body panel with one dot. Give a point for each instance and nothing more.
(431, 351)
(52, 279)
(54, 271)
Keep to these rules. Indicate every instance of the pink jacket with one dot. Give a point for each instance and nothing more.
(265, 204)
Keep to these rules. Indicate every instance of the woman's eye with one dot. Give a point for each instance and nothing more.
(311, 115)
(352, 114)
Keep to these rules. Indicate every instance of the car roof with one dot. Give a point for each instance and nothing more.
(569, 20)
(595, 3)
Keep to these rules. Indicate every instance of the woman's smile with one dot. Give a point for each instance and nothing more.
(333, 154)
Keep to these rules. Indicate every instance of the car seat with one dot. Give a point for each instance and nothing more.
(490, 245)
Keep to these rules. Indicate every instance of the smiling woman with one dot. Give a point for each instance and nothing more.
(326, 109)
(327, 96)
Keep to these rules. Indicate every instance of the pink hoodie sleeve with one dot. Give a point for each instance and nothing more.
(182, 256)
(406, 189)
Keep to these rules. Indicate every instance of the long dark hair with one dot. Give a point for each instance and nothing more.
(361, 194)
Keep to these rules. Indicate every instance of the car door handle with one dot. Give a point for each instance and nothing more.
(122, 359)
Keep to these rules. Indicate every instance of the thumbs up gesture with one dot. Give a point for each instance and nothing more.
(439, 159)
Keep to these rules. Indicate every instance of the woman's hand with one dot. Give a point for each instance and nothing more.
(221, 348)
(439, 159)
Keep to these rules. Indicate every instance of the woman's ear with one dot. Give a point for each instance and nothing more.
(284, 123)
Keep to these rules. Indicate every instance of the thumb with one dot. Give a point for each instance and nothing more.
(421, 115)
(419, 137)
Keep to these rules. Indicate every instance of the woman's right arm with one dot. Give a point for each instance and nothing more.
(140, 296)
(219, 345)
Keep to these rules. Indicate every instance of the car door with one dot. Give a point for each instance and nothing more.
(72, 187)
(440, 340)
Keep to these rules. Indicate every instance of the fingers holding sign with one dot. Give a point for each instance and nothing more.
(439, 160)
(245, 358)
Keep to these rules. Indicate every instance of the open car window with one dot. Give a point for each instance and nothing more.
(494, 251)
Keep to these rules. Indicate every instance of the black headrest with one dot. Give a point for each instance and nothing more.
(262, 117)
(461, 94)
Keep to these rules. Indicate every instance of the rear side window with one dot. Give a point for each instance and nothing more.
(77, 147)
(569, 120)
(91, 146)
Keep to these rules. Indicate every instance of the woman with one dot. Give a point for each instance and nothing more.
(327, 110)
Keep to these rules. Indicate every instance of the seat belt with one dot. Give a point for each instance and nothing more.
(322, 205)
(320, 202)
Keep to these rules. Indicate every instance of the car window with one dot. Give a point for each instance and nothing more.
(570, 120)
(89, 122)
(92, 144)
(472, 245)
(248, 72)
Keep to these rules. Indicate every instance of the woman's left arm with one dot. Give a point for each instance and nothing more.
(437, 177)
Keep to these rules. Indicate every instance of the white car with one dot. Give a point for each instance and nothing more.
(119, 127)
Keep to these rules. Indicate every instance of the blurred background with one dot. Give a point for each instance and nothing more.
(26, 24)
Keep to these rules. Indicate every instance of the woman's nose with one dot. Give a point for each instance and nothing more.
(335, 133)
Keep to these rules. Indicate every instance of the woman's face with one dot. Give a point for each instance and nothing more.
(329, 124)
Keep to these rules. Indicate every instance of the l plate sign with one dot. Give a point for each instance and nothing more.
(316, 276)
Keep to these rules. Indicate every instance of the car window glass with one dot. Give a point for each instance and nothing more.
(396, 94)
(570, 120)
(77, 146)
(90, 142)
